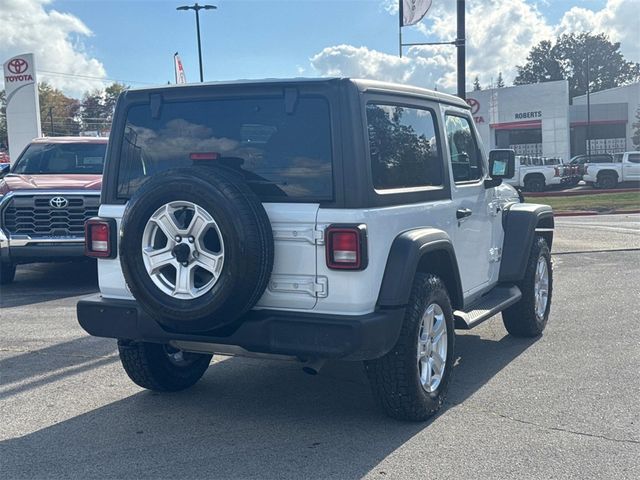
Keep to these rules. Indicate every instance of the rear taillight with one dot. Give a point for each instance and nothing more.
(346, 247)
(98, 237)
(557, 169)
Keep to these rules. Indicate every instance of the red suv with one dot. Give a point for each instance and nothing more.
(51, 189)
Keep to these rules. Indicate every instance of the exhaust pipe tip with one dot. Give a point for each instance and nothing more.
(312, 367)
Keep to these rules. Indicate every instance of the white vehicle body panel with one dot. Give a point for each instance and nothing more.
(293, 283)
(547, 171)
(626, 170)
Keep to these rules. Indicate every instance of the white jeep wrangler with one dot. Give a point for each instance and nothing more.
(310, 219)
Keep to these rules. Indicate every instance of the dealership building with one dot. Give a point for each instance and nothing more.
(537, 119)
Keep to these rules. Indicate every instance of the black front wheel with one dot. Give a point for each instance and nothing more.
(529, 316)
(411, 381)
(607, 182)
(534, 184)
(160, 367)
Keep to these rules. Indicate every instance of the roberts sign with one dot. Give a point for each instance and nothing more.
(23, 107)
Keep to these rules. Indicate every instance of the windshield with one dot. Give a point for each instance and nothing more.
(61, 158)
(282, 155)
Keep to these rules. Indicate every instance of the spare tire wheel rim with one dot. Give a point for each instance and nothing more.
(183, 250)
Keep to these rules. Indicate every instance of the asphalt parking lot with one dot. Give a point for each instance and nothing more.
(561, 406)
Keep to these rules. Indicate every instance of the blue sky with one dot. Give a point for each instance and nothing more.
(134, 41)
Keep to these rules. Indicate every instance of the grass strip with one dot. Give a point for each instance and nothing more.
(605, 202)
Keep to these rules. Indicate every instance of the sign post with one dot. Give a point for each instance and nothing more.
(23, 106)
(412, 11)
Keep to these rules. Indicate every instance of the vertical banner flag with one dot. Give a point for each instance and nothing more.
(412, 11)
(180, 76)
(23, 106)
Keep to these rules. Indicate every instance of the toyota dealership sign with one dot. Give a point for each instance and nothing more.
(23, 107)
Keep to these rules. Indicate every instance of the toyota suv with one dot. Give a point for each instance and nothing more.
(50, 191)
(310, 220)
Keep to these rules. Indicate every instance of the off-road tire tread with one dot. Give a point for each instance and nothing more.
(399, 395)
(146, 367)
(520, 319)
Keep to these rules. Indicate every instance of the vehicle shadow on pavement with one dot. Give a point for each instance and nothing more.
(41, 282)
(29, 370)
(245, 419)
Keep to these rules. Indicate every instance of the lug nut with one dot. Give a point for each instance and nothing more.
(191, 239)
(178, 238)
(185, 264)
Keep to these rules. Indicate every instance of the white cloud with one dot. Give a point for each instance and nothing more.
(362, 62)
(55, 39)
(619, 19)
(500, 35)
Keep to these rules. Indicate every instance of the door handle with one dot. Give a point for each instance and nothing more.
(463, 213)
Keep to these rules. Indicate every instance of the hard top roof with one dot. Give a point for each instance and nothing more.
(363, 85)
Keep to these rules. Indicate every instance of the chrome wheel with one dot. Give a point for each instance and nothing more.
(541, 287)
(183, 250)
(432, 347)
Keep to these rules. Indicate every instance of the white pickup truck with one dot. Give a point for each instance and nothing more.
(625, 168)
(536, 174)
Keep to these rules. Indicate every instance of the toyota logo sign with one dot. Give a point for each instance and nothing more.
(474, 104)
(58, 202)
(18, 66)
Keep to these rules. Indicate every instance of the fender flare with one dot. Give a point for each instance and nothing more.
(407, 250)
(521, 222)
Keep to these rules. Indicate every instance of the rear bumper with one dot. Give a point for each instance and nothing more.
(307, 335)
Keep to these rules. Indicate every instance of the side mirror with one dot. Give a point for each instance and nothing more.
(502, 163)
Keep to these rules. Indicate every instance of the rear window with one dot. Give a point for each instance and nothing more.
(283, 156)
(61, 158)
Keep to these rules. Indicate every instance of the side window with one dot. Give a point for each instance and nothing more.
(634, 157)
(404, 147)
(466, 161)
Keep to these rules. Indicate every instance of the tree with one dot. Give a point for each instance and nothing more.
(500, 83)
(98, 106)
(59, 114)
(476, 84)
(635, 138)
(567, 60)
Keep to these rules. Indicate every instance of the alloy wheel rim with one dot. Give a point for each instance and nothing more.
(541, 288)
(183, 250)
(432, 348)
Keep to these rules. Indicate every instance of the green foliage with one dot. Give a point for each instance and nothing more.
(500, 83)
(476, 84)
(98, 107)
(567, 60)
(59, 114)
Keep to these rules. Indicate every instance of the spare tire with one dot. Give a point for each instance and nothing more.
(196, 248)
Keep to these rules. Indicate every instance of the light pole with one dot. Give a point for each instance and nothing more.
(195, 7)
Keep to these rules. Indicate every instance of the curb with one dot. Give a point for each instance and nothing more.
(573, 193)
(585, 213)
